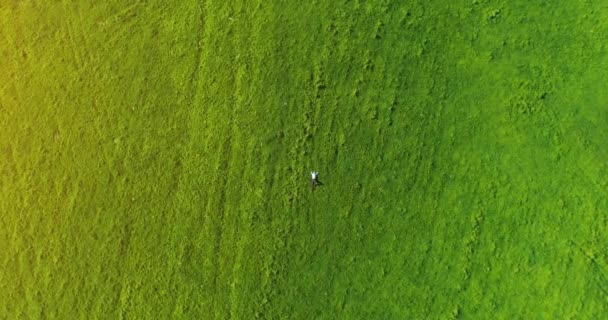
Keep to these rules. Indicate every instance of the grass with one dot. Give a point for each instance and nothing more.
(155, 159)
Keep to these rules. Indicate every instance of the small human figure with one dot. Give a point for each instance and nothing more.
(315, 180)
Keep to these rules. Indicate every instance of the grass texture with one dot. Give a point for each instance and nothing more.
(155, 159)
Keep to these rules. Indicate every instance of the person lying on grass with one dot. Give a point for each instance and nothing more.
(315, 180)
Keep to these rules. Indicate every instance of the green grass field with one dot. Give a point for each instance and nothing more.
(155, 159)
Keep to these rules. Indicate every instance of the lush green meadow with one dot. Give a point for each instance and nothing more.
(155, 159)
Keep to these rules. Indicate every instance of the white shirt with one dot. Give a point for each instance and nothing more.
(314, 175)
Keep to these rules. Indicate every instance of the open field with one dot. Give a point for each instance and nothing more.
(155, 159)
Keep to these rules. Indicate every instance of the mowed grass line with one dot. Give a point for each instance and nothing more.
(229, 231)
